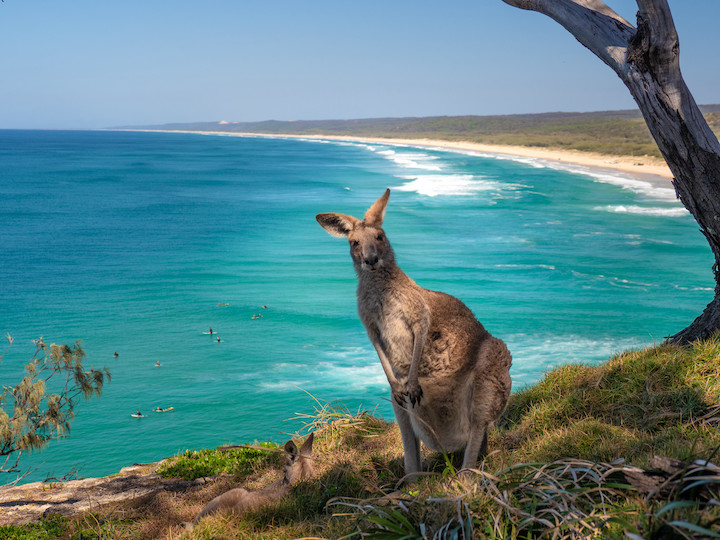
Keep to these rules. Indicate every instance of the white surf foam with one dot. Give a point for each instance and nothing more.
(354, 368)
(412, 160)
(433, 185)
(676, 211)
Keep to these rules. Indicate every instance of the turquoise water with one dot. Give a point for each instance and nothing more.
(134, 242)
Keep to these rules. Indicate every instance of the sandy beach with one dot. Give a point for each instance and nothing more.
(648, 168)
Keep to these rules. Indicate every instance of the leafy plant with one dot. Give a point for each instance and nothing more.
(200, 463)
(35, 415)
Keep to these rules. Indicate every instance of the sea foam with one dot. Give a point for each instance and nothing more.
(676, 211)
(412, 160)
(433, 185)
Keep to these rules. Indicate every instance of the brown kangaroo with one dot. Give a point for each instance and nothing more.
(448, 376)
(298, 466)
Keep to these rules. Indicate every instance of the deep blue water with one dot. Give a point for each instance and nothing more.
(133, 242)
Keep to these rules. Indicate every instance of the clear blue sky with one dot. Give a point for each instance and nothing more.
(93, 63)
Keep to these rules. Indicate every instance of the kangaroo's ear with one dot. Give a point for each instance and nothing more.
(292, 451)
(306, 448)
(376, 213)
(337, 224)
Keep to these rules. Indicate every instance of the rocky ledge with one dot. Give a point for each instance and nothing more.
(28, 503)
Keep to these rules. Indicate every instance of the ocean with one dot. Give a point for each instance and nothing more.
(139, 243)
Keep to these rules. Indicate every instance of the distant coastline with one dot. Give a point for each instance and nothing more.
(648, 168)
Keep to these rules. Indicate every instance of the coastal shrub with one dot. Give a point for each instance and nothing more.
(239, 461)
(41, 406)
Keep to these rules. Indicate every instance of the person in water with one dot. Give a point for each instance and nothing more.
(138, 413)
(211, 330)
(158, 364)
(116, 354)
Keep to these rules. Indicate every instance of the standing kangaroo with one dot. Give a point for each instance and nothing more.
(448, 376)
(298, 466)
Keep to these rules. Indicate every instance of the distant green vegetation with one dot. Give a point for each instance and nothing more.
(609, 132)
(558, 468)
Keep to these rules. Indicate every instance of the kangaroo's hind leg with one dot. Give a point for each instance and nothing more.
(476, 447)
(490, 396)
(411, 442)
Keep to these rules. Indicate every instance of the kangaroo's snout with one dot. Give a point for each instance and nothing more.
(371, 259)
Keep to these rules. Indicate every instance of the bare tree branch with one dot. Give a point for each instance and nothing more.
(591, 22)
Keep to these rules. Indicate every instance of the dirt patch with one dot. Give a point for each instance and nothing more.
(29, 502)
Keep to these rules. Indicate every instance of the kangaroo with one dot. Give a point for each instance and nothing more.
(298, 466)
(449, 378)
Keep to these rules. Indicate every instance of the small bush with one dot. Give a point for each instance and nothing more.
(200, 463)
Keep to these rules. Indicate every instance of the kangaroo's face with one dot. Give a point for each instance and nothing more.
(369, 247)
(298, 463)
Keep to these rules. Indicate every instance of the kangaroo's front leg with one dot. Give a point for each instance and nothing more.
(420, 332)
(398, 392)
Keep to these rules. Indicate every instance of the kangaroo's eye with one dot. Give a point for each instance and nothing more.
(380, 237)
(355, 243)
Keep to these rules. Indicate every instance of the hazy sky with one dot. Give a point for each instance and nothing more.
(93, 63)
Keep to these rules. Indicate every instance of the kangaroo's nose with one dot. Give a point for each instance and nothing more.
(372, 260)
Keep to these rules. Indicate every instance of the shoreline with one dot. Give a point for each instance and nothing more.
(647, 168)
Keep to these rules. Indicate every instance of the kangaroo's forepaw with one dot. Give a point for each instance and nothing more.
(399, 396)
(414, 393)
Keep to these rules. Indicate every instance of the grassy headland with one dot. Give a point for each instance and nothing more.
(574, 456)
(621, 133)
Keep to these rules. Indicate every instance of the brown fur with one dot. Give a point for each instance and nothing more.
(298, 466)
(448, 376)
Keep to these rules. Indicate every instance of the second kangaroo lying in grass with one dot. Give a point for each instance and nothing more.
(448, 376)
(298, 466)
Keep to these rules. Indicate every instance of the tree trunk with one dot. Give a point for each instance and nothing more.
(647, 60)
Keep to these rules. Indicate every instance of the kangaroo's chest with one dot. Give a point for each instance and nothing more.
(390, 317)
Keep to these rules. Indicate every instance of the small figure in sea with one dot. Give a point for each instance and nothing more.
(298, 466)
(138, 413)
(221, 304)
(258, 316)
(264, 306)
(449, 378)
(218, 339)
(211, 331)
(116, 354)
(158, 364)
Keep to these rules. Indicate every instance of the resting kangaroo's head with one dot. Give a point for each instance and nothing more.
(369, 247)
(298, 463)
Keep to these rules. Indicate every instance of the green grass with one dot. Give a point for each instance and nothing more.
(200, 463)
(557, 467)
(48, 528)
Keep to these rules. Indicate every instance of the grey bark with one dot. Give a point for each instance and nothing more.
(646, 59)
